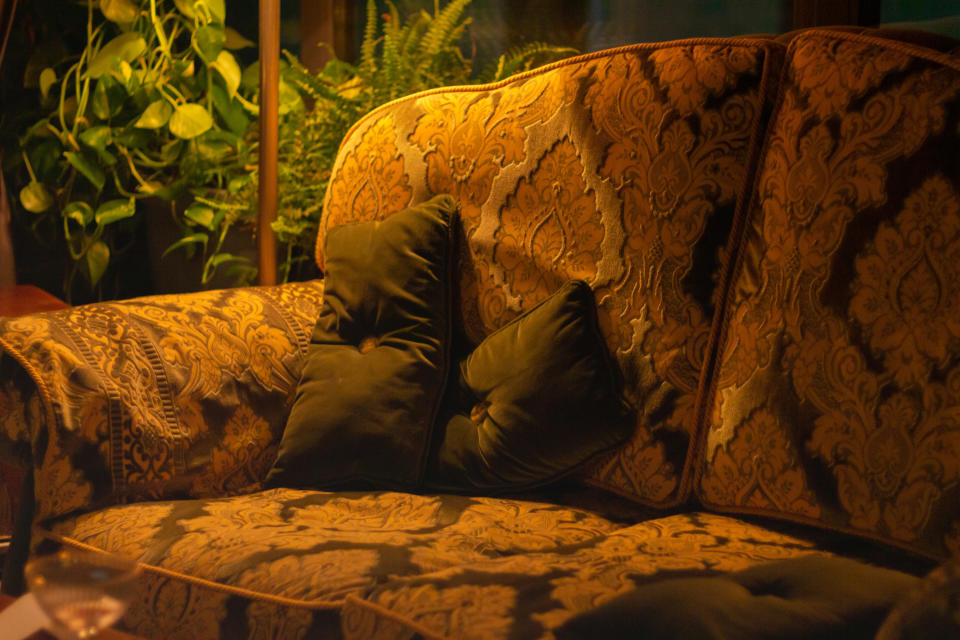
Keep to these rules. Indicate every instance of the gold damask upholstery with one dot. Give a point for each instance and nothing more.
(785, 321)
(837, 396)
(291, 557)
(168, 396)
(527, 596)
(622, 168)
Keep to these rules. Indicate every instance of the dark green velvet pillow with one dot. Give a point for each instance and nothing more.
(806, 598)
(376, 367)
(534, 400)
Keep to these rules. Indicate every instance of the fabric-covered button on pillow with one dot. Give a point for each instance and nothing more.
(533, 401)
(377, 363)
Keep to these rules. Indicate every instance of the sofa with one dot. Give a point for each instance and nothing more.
(770, 227)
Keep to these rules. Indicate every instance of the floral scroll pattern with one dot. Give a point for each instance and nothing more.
(549, 229)
(292, 559)
(674, 163)
(530, 595)
(371, 182)
(623, 169)
(162, 393)
(841, 367)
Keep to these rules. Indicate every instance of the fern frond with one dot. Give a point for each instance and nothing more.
(520, 59)
(391, 55)
(441, 26)
(368, 48)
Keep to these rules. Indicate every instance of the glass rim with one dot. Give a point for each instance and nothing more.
(128, 568)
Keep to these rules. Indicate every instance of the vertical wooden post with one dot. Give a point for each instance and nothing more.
(269, 133)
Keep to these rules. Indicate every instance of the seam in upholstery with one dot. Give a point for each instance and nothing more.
(735, 273)
(396, 617)
(492, 86)
(706, 387)
(203, 582)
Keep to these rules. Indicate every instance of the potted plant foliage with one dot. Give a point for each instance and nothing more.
(151, 109)
(156, 109)
(397, 57)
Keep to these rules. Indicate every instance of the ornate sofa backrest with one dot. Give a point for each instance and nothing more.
(836, 400)
(623, 168)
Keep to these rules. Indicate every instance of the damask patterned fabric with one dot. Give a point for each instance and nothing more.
(182, 395)
(527, 596)
(19, 408)
(621, 168)
(837, 398)
(284, 559)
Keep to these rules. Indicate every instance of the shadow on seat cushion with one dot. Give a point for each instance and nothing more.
(811, 598)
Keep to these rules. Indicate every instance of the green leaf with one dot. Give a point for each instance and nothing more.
(192, 239)
(170, 192)
(234, 40)
(79, 211)
(46, 159)
(189, 121)
(120, 11)
(108, 98)
(113, 210)
(155, 115)
(209, 41)
(227, 65)
(170, 152)
(97, 257)
(35, 198)
(216, 9)
(126, 47)
(132, 138)
(87, 167)
(232, 112)
(289, 98)
(97, 137)
(213, 150)
(48, 78)
(186, 7)
(200, 214)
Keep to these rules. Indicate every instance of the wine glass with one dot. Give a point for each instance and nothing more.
(83, 591)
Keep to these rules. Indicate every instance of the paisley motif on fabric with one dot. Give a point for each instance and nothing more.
(466, 138)
(549, 229)
(694, 73)
(371, 181)
(832, 72)
(141, 391)
(549, 587)
(760, 468)
(839, 370)
(674, 162)
(327, 574)
(168, 608)
(907, 292)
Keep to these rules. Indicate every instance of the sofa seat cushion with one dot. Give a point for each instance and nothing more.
(530, 595)
(805, 598)
(284, 559)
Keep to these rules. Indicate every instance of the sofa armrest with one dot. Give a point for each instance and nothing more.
(158, 397)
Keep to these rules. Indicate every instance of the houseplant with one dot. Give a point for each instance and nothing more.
(157, 117)
(151, 109)
(397, 57)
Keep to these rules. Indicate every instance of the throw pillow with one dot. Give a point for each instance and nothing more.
(377, 363)
(534, 400)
